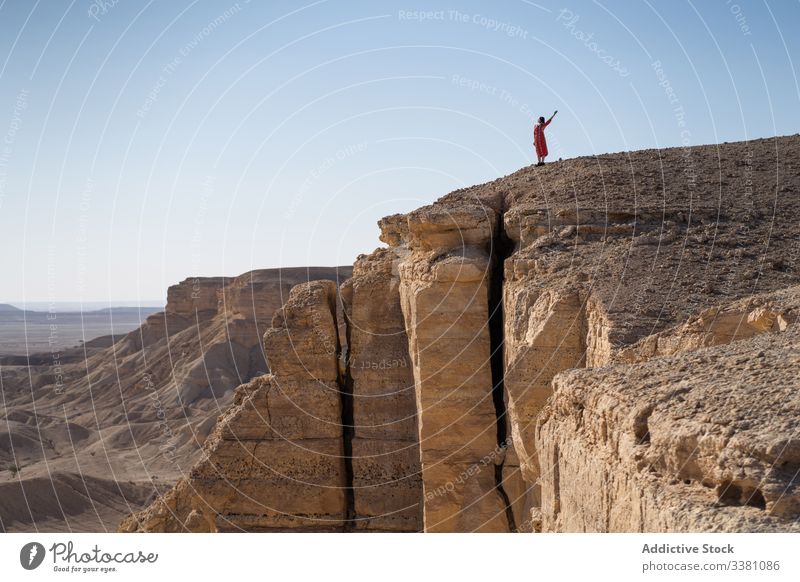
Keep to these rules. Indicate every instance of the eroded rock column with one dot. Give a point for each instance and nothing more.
(275, 460)
(445, 299)
(387, 482)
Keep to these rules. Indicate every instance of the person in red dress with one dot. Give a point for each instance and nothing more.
(539, 142)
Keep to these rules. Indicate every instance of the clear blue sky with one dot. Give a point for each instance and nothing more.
(145, 142)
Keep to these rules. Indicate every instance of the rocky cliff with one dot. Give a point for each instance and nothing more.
(102, 430)
(328, 440)
(600, 344)
(705, 441)
(382, 427)
(275, 459)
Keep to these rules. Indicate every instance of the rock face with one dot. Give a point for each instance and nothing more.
(194, 295)
(697, 442)
(138, 409)
(552, 338)
(574, 334)
(324, 442)
(722, 324)
(387, 483)
(596, 278)
(446, 277)
(445, 298)
(275, 460)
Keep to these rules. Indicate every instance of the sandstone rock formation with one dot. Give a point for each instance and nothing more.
(197, 295)
(584, 285)
(387, 483)
(323, 442)
(721, 324)
(704, 441)
(591, 273)
(137, 411)
(275, 460)
(663, 274)
(445, 289)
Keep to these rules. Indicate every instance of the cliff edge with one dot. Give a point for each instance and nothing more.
(599, 344)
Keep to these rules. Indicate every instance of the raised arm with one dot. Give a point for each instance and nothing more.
(551, 118)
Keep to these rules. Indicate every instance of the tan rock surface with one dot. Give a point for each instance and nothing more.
(275, 460)
(721, 324)
(599, 265)
(196, 295)
(702, 441)
(445, 279)
(138, 410)
(605, 252)
(387, 483)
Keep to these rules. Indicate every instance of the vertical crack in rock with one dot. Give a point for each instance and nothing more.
(498, 479)
(502, 247)
(345, 385)
(556, 473)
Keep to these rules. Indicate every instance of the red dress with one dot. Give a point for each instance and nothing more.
(538, 139)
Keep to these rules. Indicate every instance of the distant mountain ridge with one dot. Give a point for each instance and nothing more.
(40, 333)
(75, 307)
